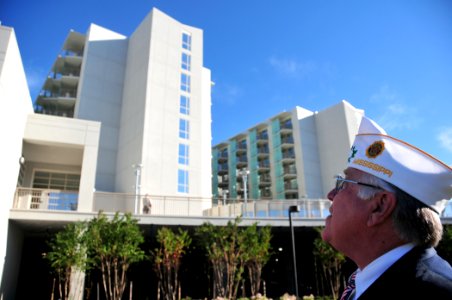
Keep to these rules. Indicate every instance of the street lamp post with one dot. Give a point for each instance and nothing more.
(244, 173)
(292, 209)
(137, 168)
(225, 195)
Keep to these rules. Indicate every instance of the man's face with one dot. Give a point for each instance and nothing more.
(348, 215)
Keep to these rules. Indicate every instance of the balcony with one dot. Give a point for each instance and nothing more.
(287, 142)
(29, 199)
(45, 199)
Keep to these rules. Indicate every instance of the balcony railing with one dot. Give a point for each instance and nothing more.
(309, 209)
(51, 200)
(45, 199)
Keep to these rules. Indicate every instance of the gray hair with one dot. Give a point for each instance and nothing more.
(414, 221)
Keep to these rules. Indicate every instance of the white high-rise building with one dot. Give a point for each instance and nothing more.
(119, 119)
(151, 93)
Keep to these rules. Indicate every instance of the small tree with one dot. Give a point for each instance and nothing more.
(330, 262)
(167, 260)
(258, 252)
(67, 254)
(225, 249)
(115, 245)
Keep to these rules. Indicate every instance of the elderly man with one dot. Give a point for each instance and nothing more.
(385, 216)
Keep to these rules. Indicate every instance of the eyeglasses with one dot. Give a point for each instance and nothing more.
(340, 181)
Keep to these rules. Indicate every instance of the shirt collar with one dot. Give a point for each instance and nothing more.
(365, 277)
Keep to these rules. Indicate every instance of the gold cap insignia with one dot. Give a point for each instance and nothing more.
(375, 149)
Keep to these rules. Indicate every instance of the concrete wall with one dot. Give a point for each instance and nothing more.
(69, 134)
(149, 130)
(336, 130)
(100, 96)
(308, 167)
(17, 104)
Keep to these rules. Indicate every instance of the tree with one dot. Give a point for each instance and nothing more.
(257, 245)
(330, 262)
(67, 254)
(226, 252)
(115, 245)
(167, 260)
(445, 245)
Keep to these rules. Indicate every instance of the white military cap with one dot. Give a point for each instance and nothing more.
(401, 164)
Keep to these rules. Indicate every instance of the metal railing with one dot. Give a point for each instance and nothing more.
(158, 205)
(309, 208)
(50, 199)
(45, 199)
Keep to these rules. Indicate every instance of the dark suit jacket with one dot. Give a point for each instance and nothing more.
(413, 276)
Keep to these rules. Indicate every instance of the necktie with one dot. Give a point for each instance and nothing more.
(348, 291)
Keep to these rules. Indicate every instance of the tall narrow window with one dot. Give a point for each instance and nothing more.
(185, 82)
(182, 181)
(186, 41)
(184, 105)
(186, 61)
(183, 154)
(184, 130)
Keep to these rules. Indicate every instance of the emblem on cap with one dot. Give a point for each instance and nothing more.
(375, 149)
(352, 153)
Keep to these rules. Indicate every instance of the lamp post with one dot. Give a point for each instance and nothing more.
(292, 209)
(244, 173)
(225, 195)
(137, 168)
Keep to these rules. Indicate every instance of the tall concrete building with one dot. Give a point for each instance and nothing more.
(292, 155)
(151, 93)
(117, 118)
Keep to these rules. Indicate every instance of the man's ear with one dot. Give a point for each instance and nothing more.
(381, 207)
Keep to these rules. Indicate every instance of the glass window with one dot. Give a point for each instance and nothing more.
(185, 82)
(183, 154)
(184, 105)
(182, 181)
(184, 129)
(186, 61)
(57, 181)
(186, 41)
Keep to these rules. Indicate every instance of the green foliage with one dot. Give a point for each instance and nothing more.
(445, 245)
(67, 253)
(167, 260)
(116, 240)
(114, 245)
(230, 249)
(226, 252)
(329, 263)
(257, 253)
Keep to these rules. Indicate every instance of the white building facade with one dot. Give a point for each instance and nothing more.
(151, 94)
(118, 118)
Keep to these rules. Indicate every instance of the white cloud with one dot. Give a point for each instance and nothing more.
(227, 93)
(445, 138)
(292, 67)
(396, 114)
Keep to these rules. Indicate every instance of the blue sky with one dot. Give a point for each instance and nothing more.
(391, 58)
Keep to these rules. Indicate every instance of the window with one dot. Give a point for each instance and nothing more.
(184, 105)
(186, 41)
(56, 181)
(186, 61)
(64, 194)
(183, 154)
(185, 82)
(184, 129)
(182, 181)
